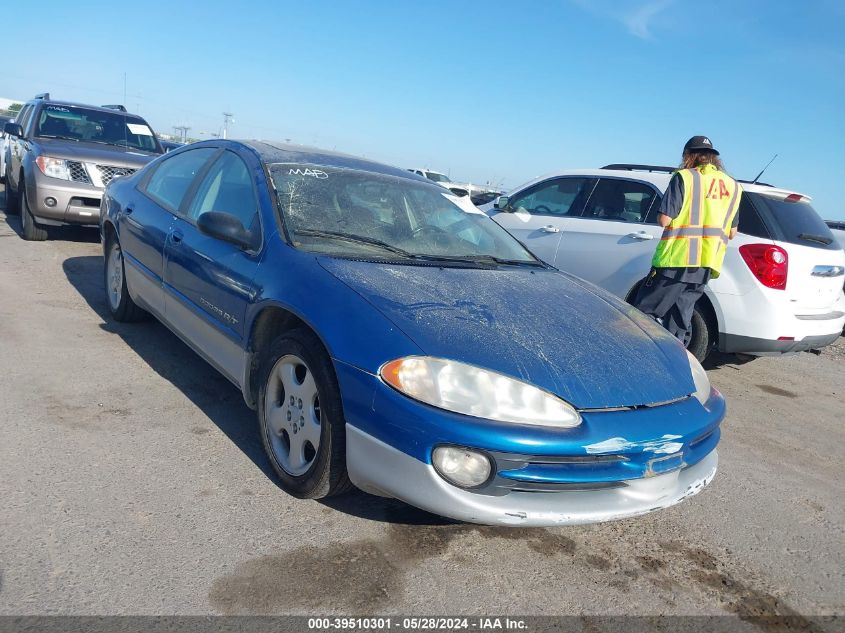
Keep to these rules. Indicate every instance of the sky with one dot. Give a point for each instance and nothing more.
(484, 90)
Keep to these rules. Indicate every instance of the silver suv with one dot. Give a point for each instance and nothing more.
(60, 156)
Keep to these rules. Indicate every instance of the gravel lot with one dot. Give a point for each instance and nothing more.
(133, 482)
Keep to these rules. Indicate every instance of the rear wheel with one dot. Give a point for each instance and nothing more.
(701, 339)
(301, 417)
(121, 305)
(32, 231)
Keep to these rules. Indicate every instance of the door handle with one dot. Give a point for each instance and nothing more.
(641, 235)
(176, 237)
(128, 209)
(550, 229)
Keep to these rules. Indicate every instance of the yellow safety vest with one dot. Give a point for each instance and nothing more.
(699, 235)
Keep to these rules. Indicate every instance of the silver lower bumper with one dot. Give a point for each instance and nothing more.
(74, 203)
(378, 468)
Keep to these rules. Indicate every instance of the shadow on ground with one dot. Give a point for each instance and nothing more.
(218, 399)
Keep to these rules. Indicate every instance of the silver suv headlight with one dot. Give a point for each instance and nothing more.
(53, 167)
(700, 378)
(478, 392)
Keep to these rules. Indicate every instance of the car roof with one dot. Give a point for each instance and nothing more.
(273, 152)
(657, 178)
(87, 106)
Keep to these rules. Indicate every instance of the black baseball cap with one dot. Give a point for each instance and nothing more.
(699, 144)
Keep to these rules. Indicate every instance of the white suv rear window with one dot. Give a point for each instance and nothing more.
(795, 222)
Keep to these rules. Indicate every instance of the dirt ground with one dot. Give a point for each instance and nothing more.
(133, 482)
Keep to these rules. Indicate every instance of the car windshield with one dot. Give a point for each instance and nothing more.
(354, 213)
(795, 221)
(95, 126)
(433, 175)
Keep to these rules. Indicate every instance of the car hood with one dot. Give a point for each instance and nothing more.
(95, 153)
(539, 325)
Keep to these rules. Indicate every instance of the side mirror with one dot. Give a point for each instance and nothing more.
(226, 227)
(501, 203)
(13, 129)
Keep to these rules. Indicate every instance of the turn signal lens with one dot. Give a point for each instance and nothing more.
(478, 392)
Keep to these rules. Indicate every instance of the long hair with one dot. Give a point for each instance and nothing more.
(693, 159)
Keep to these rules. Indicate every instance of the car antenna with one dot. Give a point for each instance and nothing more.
(754, 182)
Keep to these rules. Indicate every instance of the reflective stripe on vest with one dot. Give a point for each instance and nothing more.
(700, 233)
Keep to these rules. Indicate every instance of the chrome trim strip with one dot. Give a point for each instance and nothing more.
(830, 316)
(828, 271)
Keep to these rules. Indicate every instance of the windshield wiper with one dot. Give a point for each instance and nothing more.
(821, 239)
(59, 137)
(486, 260)
(350, 237)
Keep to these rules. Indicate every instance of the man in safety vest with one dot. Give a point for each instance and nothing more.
(698, 215)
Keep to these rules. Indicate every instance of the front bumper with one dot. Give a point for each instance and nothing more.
(76, 202)
(381, 469)
(616, 464)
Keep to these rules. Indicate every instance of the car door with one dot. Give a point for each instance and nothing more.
(539, 215)
(612, 243)
(207, 281)
(147, 220)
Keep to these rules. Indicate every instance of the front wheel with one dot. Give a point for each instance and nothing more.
(32, 231)
(12, 203)
(121, 305)
(301, 417)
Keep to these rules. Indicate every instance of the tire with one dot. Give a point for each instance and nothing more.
(32, 231)
(12, 203)
(701, 339)
(121, 305)
(298, 383)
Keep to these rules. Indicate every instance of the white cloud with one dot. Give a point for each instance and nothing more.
(637, 17)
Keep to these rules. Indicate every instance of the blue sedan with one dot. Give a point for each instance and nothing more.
(392, 337)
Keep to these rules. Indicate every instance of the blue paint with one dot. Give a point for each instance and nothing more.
(535, 324)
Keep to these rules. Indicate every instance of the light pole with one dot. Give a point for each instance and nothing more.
(227, 116)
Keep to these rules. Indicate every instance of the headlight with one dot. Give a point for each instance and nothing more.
(461, 466)
(699, 377)
(478, 392)
(53, 167)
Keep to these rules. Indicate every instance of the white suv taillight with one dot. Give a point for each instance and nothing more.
(768, 262)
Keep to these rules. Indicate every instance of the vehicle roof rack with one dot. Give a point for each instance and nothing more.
(43, 95)
(631, 167)
(115, 106)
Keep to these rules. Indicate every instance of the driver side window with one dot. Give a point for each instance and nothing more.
(558, 197)
(227, 188)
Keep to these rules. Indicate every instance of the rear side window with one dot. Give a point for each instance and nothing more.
(174, 175)
(793, 222)
(750, 222)
(620, 200)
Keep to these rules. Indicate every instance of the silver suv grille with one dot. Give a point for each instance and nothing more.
(108, 172)
(77, 172)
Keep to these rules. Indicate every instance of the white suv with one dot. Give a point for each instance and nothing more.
(781, 284)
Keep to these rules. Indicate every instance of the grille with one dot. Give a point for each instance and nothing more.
(77, 172)
(108, 172)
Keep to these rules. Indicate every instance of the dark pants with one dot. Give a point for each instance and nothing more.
(671, 302)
